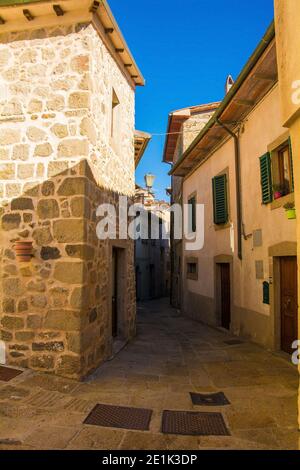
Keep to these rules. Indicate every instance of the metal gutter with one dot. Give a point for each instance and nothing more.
(262, 46)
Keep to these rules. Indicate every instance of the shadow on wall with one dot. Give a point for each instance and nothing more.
(56, 309)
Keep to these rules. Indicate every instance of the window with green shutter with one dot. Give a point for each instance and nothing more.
(220, 202)
(291, 165)
(192, 215)
(266, 178)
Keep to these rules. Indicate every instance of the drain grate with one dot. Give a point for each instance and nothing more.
(233, 342)
(7, 374)
(212, 399)
(120, 417)
(187, 423)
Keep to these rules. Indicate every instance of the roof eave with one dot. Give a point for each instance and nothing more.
(262, 46)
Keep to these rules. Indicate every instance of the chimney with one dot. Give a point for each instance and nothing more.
(229, 84)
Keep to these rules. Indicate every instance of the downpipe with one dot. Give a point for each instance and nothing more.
(238, 185)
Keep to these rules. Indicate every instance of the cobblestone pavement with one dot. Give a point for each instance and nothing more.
(170, 357)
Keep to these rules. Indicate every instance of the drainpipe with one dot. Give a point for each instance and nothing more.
(238, 185)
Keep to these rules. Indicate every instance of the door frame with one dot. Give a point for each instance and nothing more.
(276, 252)
(122, 288)
(223, 259)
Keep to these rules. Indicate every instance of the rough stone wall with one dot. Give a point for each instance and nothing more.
(56, 165)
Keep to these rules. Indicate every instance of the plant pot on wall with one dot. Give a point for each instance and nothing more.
(23, 250)
(291, 213)
(290, 210)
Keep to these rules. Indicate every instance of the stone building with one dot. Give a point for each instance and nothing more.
(152, 255)
(67, 106)
(240, 167)
(183, 126)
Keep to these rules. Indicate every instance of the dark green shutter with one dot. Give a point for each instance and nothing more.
(192, 215)
(266, 293)
(291, 165)
(220, 199)
(266, 178)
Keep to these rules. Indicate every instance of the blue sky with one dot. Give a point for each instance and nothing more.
(185, 50)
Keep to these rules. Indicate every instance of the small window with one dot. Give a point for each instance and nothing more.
(276, 171)
(220, 200)
(285, 171)
(114, 113)
(192, 269)
(192, 225)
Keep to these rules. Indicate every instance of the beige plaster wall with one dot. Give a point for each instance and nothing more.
(287, 20)
(261, 128)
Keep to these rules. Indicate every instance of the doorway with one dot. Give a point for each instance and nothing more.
(288, 302)
(118, 290)
(225, 295)
(114, 321)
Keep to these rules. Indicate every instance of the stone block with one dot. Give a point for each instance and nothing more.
(48, 188)
(7, 170)
(85, 252)
(69, 148)
(79, 100)
(9, 136)
(10, 221)
(80, 297)
(60, 130)
(80, 63)
(35, 134)
(43, 150)
(25, 171)
(70, 272)
(20, 152)
(50, 252)
(12, 287)
(48, 209)
(73, 187)
(22, 204)
(24, 335)
(44, 362)
(69, 365)
(42, 236)
(80, 207)
(12, 323)
(69, 231)
(57, 168)
(54, 346)
(64, 320)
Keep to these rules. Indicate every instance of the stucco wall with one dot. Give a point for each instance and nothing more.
(261, 128)
(57, 165)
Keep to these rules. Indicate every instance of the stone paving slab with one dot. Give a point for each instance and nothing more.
(170, 357)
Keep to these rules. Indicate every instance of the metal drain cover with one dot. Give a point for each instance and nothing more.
(120, 417)
(212, 399)
(233, 342)
(7, 374)
(187, 423)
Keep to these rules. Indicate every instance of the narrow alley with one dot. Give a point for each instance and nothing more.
(170, 357)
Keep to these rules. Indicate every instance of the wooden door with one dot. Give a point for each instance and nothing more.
(225, 295)
(289, 302)
(114, 322)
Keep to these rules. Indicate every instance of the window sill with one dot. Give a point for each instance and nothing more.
(192, 277)
(277, 203)
(222, 226)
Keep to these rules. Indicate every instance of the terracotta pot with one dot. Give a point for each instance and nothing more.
(23, 251)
